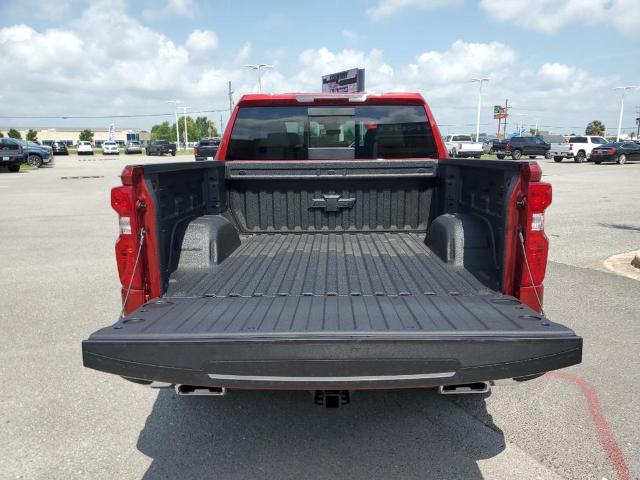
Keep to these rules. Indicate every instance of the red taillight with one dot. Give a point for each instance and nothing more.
(507, 146)
(123, 201)
(536, 243)
(571, 146)
(611, 150)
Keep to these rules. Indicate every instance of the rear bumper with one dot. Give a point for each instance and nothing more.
(604, 158)
(339, 361)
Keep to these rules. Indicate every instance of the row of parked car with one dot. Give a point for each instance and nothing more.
(15, 152)
(579, 148)
(108, 148)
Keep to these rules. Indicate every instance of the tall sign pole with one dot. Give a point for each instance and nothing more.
(506, 113)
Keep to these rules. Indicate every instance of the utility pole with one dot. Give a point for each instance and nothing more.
(175, 111)
(230, 99)
(480, 81)
(221, 126)
(506, 116)
(638, 122)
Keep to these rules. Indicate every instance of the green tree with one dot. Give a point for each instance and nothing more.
(1, 135)
(32, 135)
(163, 131)
(86, 135)
(13, 133)
(596, 127)
(533, 131)
(192, 129)
(206, 128)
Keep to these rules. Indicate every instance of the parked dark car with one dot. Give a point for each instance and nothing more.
(59, 148)
(519, 146)
(497, 146)
(619, 152)
(206, 148)
(160, 147)
(11, 154)
(35, 154)
(133, 147)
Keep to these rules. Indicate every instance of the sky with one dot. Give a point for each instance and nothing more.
(557, 61)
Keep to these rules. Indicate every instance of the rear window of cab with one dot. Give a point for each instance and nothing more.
(331, 132)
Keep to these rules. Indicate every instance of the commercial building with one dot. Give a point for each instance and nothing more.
(71, 136)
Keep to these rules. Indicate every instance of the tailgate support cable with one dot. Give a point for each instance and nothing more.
(526, 262)
(133, 272)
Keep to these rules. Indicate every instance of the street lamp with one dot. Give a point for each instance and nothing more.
(480, 81)
(522, 122)
(258, 67)
(175, 111)
(186, 136)
(624, 91)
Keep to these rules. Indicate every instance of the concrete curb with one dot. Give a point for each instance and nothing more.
(625, 264)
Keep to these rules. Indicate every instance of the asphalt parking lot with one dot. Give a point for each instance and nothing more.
(58, 283)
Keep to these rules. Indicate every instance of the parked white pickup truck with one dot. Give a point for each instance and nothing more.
(462, 146)
(580, 146)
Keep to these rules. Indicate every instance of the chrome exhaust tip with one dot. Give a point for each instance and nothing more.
(195, 390)
(465, 388)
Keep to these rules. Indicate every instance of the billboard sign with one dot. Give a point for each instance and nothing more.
(499, 112)
(347, 81)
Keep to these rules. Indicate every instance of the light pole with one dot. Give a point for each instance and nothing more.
(186, 136)
(175, 111)
(258, 67)
(520, 130)
(624, 91)
(480, 81)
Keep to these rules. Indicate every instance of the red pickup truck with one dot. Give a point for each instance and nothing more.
(331, 246)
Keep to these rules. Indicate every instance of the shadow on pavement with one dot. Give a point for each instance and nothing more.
(393, 434)
(620, 226)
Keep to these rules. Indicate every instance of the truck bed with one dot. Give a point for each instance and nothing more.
(332, 282)
(331, 311)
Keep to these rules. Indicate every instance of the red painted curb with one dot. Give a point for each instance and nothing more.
(605, 435)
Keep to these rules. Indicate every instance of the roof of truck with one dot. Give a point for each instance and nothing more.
(319, 98)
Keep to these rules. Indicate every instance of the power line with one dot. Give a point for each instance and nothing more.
(139, 115)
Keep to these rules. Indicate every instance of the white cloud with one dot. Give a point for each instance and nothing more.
(462, 62)
(388, 8)
(202, 41)
(550, 16)
(106, 62)
(243, 53)
(181, 8)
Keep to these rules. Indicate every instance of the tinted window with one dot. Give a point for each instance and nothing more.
(300, 133)
(598, 140)
(578, 140)
(461, 138)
